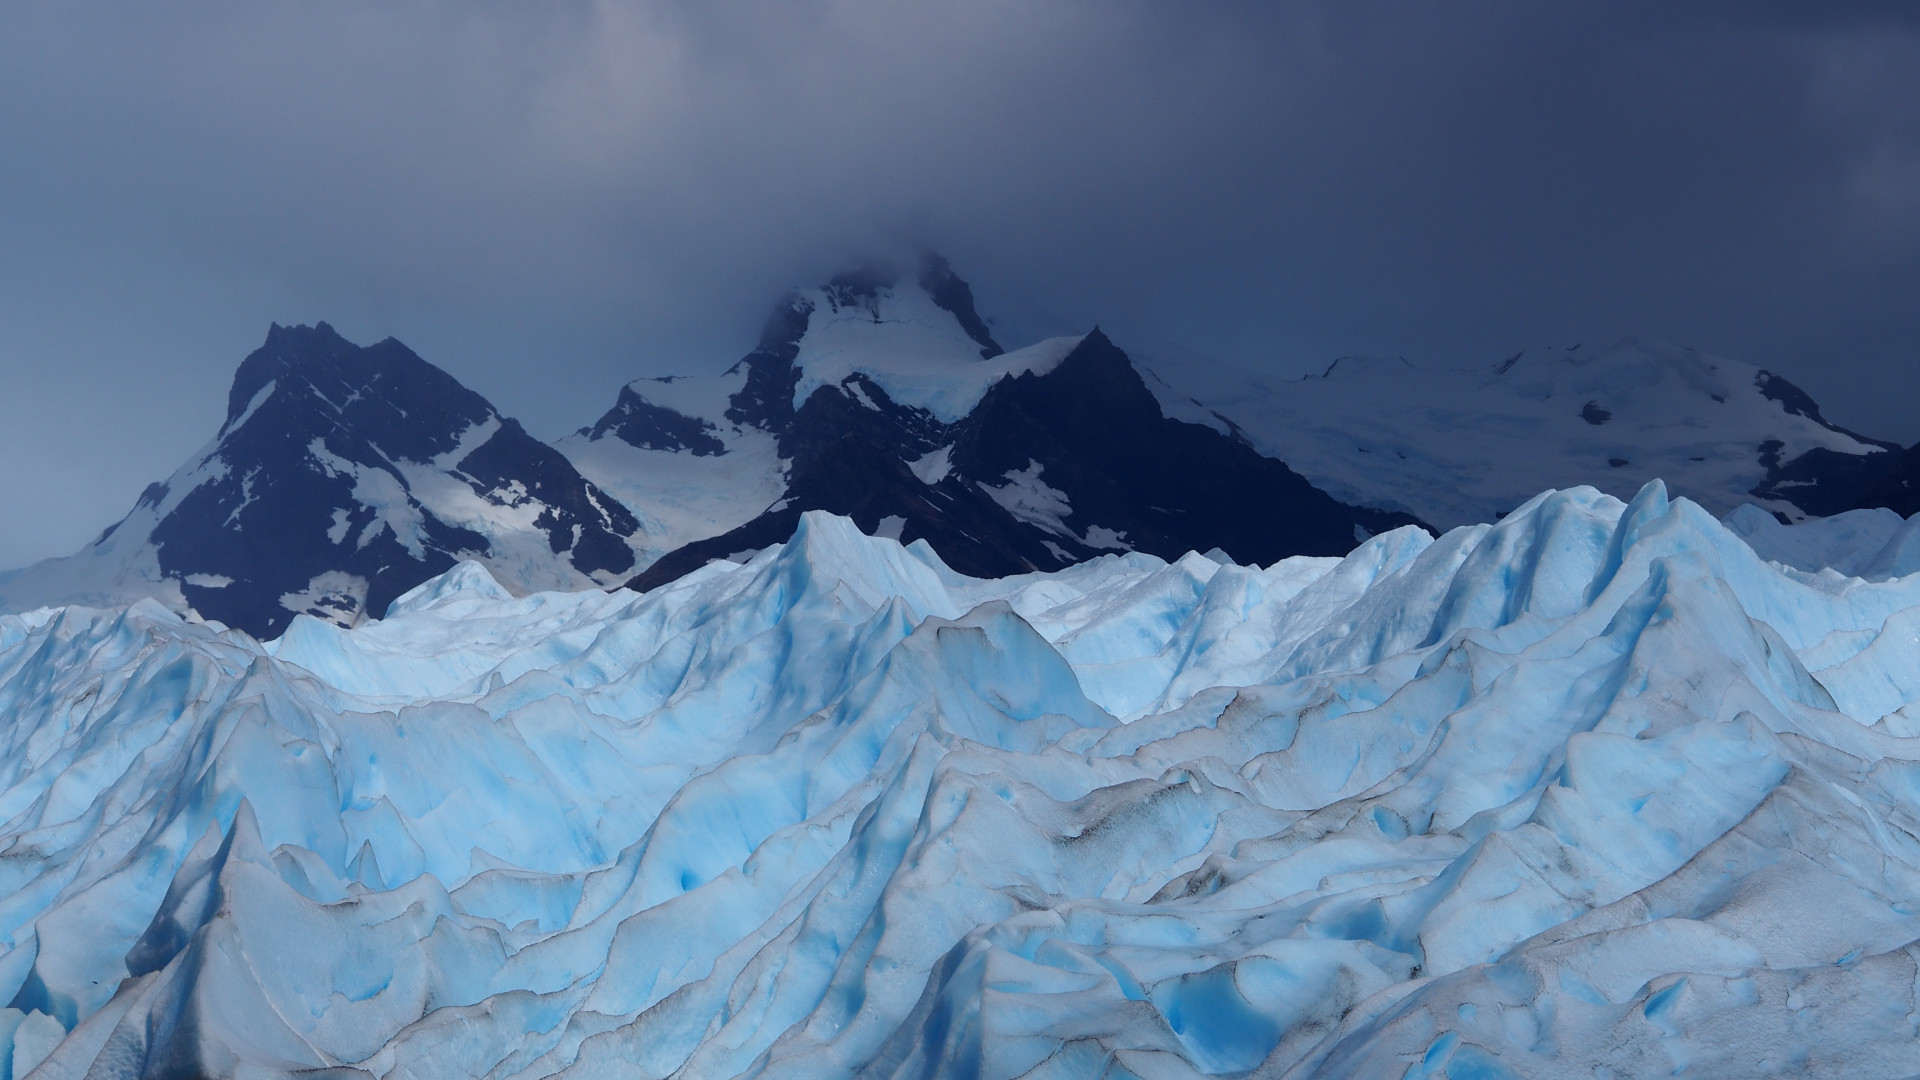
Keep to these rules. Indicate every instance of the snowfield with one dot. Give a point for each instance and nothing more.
(1592, 792)
(1378, 430)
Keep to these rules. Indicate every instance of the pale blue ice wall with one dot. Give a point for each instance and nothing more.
(1592, 788)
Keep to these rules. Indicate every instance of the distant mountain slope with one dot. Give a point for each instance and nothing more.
(342, 477)
(883, 398)
(345, 475)
(698, 456)
(1824, 481)
(1459, 446)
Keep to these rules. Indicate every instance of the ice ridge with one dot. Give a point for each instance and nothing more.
(1595, 790)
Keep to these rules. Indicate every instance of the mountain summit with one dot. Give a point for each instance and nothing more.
(343, 476)
(882, 396)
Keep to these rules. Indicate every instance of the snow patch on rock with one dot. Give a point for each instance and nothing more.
(913, 348)
(1029, 498)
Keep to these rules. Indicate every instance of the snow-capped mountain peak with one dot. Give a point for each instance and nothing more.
(919, 338)
(383, 393)
(880, 396)
(342, 476)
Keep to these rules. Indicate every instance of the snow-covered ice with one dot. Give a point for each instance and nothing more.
(1595, 791)
(1875, 544)
(1453, 447)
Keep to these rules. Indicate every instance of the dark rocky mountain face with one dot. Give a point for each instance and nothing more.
(766, 401)
(1091, 430)
(1824, 482)
(346, 475)
(1898, 486)
(275, 517)
(1048, 469)
(638, 422)
(956, 297)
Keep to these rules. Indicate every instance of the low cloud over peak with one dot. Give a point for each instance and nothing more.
(550, 202)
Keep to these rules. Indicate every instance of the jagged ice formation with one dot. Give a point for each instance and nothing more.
(1593, 791)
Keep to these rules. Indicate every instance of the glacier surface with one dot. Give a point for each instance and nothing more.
(1595, 791)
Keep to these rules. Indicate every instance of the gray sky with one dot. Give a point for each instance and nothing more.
(550, 199)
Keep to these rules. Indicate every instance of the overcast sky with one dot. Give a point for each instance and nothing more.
(550, 199)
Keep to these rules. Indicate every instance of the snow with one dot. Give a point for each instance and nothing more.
(1027, 497)
(680, 497)
(247, 498)
(394, 509)
(518, 550)
(933, 466)
(1031, 499)
(259, 398)
(332, 594)
(473, 438)
(703, 396)
(1596, 790)
(124, 564)
(1454, 447)
(913, 348)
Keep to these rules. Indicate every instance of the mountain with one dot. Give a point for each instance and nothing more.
(1589, 792)
(344, 476)
(1454, 446)
(883, 397)
(1824, 481)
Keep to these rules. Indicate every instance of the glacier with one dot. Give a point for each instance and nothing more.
(1594, 791)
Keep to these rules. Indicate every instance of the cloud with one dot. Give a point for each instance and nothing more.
(550, 199)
